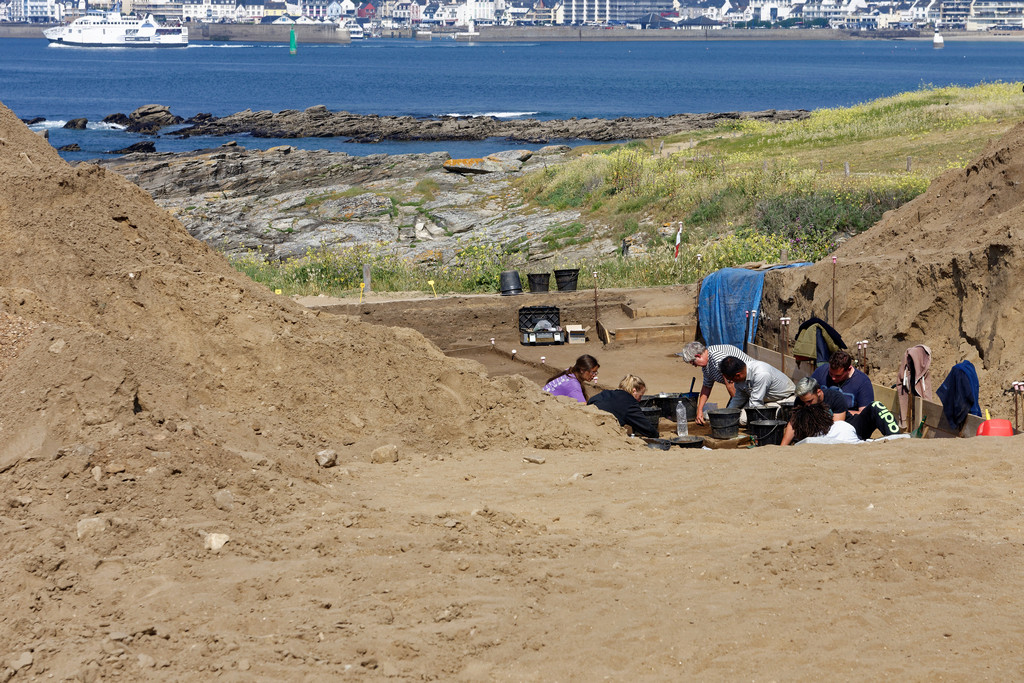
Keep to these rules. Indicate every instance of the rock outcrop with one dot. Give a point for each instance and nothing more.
(284, 202)
(150, 118)
(320, 122)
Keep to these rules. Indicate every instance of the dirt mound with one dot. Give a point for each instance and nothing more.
(150, 396)
(945, 270)
(144, 325)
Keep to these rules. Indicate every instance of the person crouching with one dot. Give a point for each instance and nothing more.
(624, 404)
(570, 381)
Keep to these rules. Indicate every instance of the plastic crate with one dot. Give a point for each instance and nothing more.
(529, 316)
(540, 325)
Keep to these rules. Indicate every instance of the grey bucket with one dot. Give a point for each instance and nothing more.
(725, 423)
(767, 432)
(510, 283)
(539, 282)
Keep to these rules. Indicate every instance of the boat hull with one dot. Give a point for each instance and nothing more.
(133, 44)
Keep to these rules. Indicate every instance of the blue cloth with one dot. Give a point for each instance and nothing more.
(724, 296)
(959, 394)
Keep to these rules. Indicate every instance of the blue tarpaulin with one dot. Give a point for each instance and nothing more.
(725, 297)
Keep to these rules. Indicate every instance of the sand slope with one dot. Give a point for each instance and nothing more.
(149, 397)
(943, 270)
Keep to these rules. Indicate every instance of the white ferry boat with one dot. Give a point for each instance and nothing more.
(355, 31)
(111, 29)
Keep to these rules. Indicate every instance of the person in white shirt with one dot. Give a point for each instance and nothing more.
(757, 383)
(813, 423)
(708, 359)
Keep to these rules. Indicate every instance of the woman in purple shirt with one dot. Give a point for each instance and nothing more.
(569, 382)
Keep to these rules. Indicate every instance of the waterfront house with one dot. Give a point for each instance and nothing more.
(208, 11)
(367, 10)
(699, 24)
(248, 11)
(716, 10)
(274, 8)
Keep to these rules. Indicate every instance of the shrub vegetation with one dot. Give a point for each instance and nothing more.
(744, 191)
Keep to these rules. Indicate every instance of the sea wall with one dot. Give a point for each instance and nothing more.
(488, 34)
(262, 33)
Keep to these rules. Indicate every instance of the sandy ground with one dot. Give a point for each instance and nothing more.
(154, 404)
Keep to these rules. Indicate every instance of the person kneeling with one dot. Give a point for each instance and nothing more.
(624, 404)
(815, 421)
(864, 423)
(758, 385)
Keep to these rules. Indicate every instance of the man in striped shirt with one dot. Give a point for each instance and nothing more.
(708, 358)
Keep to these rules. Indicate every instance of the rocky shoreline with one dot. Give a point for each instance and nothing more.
(284, 202)
(318, 121)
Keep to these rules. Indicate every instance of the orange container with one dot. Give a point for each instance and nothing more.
(995, 427)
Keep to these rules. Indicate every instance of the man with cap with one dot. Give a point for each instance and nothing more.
(708, 358)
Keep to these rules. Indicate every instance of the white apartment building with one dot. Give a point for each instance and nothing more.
(478, 11)
(37, 11)
(210, 11)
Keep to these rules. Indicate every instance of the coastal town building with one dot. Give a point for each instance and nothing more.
(208, 10)
(167, 11)
(37, 11)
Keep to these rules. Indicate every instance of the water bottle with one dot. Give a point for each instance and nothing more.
(682, 429)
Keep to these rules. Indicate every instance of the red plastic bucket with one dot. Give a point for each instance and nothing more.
(995, 427)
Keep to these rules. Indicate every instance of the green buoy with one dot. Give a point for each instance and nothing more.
(291, 42)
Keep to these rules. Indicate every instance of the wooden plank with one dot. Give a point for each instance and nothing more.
(675, 310)
(676, 333)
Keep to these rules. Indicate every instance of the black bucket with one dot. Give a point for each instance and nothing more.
(669, 402)
(538, 281)
(510, 283)
(725, 423)
(653, 414)
(767, 432)
(786, 410)
(565, 279)
(762, 414)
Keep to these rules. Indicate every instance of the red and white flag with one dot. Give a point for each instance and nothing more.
(679, 238)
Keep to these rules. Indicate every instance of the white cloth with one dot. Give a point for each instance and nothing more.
(841, 432)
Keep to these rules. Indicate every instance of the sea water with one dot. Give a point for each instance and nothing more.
(419, 78)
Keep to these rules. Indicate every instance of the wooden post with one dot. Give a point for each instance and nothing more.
(366, 277)
(908, 164)
(833, 303)
(846, 168)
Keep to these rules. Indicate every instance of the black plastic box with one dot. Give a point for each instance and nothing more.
(550, 330)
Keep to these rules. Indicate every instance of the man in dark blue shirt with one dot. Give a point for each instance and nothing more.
(854, 384)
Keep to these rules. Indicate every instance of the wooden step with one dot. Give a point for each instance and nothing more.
(681, 309)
